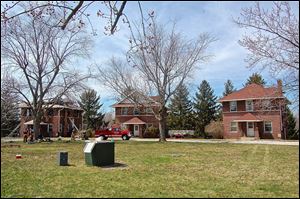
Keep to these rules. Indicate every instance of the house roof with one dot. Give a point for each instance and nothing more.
(253, 91)
(127, 102)
(248, 117)
(134, 120)
(24, 105)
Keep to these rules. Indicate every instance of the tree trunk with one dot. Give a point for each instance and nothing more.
(163, 125)
(36, 125)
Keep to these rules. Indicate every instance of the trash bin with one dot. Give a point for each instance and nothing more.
(62, 158)
(99, 153)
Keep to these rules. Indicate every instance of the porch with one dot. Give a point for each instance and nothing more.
(249, 126)
(136, 126)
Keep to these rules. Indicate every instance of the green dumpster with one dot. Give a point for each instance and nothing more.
(99, 153)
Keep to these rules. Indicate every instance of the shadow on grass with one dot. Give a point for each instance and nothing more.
(68, 165)
(114, 166)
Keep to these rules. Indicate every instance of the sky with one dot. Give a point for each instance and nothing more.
(193, 18)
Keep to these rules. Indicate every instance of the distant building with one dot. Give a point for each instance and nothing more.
(136, 116)
(58, 119)
(255, 111)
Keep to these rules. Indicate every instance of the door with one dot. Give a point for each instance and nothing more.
(250, 129)
(136, 130)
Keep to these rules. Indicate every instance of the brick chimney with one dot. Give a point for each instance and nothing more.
(279, 85)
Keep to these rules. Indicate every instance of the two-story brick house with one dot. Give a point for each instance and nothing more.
(255, 111)
(136, 116)
(58, 119)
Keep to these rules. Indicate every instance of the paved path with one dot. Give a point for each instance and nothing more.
(274, 142)
(234, 141)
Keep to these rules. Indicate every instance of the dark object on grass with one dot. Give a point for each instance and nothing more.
(62, 158)
(99, 153)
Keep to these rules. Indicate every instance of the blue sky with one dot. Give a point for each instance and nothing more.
(193, 18)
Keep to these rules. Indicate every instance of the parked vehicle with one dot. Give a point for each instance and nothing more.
(113, 132)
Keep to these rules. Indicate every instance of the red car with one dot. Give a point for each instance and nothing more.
(113, 132)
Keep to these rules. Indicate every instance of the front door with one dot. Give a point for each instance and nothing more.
(136, 130)
(250, 129)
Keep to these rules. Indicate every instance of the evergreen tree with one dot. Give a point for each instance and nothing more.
(257, 79)
(205, 107)
(180, 116)
(90, 103)
(292, 132)
(228, 88)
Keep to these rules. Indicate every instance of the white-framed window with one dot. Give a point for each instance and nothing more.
(266, 104)
(124, 111)
(249, 105)
(233, 127)
(148, 110)
(233, 106)
(268, 127)
(136, 111)
(28, 112)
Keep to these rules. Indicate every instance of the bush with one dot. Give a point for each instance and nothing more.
(215, 130)
(151, 132)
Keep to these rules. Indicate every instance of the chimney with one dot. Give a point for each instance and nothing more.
(279, 85)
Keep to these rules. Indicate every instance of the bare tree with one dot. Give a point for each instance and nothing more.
(9, 107)
(274, 42)
(37, 55)
(77, 11)
(160, 62)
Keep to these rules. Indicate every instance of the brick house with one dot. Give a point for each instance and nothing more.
(59, 119)
(136, 116)
(255, 111)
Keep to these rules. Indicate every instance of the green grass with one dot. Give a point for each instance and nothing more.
(153, 170)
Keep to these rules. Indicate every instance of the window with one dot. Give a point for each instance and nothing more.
(149, 125)
(148, 110)
(124, 111)
(249, 105)
(50, 112)
(61, 128)
(266, 104)
(28, 112)
(136, 111)
(268, 127)
(233, 126)
(50, 128)
(233, 106)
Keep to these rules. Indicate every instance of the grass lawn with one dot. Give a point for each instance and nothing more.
(153, 170)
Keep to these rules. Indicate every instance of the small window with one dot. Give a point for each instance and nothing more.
(50, 112)
(233, 106)
(149, 125)
(28, 112)
(268, 127)
(233, 126)
(50, 128)
(249, 105)
(136, 111)
(124, 111)
(148, 110)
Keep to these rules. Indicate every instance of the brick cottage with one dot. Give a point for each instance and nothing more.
(57, 120)
(136, 116)
(255, 111)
